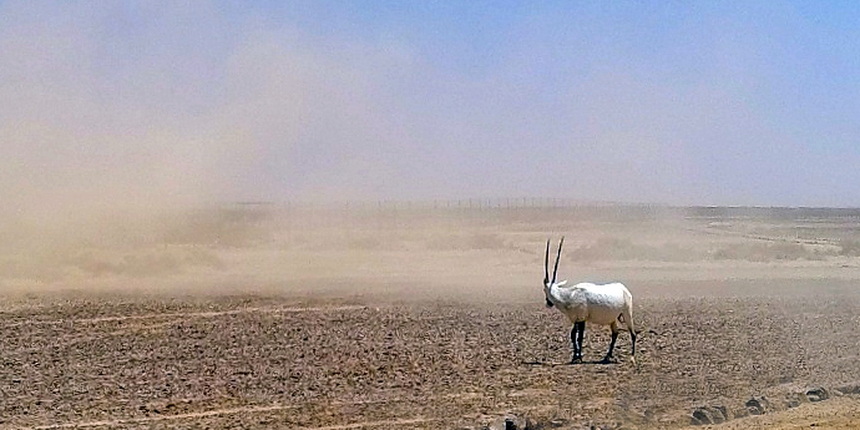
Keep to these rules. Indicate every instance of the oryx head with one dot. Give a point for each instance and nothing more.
(547, 282)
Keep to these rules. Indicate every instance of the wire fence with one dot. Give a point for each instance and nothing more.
(453, 214)
(508, 209)
(242, 221)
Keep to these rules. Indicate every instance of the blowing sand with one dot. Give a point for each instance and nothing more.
(409, 316)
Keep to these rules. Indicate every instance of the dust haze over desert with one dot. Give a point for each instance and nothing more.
(204, 172)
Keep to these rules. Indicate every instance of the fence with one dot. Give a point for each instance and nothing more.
(294, 219)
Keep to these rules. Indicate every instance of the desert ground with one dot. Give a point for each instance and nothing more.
(428, 315)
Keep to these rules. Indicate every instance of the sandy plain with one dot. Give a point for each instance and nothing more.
(428, 316)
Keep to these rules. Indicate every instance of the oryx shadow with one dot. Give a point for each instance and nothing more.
(567, 363)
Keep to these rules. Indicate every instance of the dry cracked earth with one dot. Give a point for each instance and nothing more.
(278, 362)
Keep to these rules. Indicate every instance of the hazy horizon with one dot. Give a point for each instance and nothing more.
(151, 105)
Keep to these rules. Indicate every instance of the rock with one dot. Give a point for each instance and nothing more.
(852, 388)
(817, 394)
(757, 405)
(512, 422)
(794, 400)
(710, 415)
(557, 422)
(701, 416)
(719, 414)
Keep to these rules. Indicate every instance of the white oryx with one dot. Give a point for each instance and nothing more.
(606, 304)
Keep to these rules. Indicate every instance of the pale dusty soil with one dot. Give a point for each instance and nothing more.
(419, 334)
(839, 414)
(274, 361)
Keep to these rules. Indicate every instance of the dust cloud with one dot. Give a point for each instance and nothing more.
(130, 132)
(142, 107)
(113, 112)
(110, 143)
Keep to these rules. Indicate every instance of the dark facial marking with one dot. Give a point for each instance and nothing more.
(549, 303)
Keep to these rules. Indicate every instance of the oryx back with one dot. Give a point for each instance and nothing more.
(598, 303)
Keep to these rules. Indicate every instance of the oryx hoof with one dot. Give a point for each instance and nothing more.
(608, 360)
(576, 360)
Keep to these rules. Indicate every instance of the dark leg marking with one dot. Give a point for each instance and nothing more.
(573, 343)
(633, 341)
(579, 337)
(608, 358)
(576, 334)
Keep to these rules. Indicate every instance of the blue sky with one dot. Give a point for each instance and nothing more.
(725, 103)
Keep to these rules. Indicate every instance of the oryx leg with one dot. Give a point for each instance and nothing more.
(633, 339)
(577, 333)
(614, 328)
(573, 333)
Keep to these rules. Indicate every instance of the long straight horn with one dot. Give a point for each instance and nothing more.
(557, 257)
(546, 264)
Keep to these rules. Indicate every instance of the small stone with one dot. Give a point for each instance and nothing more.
(817, 394)
(794, 400)
(719, 414)
(853, 388)
(557, 422)
(701, 416)
(757, 406)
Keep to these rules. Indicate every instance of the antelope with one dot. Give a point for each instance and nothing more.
(602, 304)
